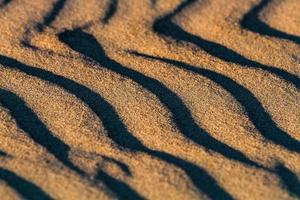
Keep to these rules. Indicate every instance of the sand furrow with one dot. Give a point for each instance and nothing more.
(179, 99)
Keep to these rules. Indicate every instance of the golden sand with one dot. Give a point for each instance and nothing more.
(149, 99)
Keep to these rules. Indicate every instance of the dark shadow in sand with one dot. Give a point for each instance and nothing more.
(120, 164)
(110, 12)
(2, 153)
(105, 112)
(24, 188)
(51, 16)
(4, 3)
(87, 45)
(48, 19)
(120, 189)
(116, 130)
(54, 12)
(289, 180)
(254, 109)
(27, 120)
(165, 26)
(252, 22)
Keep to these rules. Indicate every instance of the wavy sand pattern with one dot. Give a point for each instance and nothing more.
(149, 99)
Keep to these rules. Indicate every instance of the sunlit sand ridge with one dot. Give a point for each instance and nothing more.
(149, 99)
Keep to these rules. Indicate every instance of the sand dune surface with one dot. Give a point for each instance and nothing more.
(149, 99)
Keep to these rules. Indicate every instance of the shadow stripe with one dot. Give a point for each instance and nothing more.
(165, 26)
(111, 11)
(51, 16)
(25, 188)
(289, 180)
(27, 120)
(252, 22)
(254, 109)
(117, 131)
(87, 45)
(104, 111)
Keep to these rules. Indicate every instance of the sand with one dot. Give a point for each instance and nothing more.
(141, 99)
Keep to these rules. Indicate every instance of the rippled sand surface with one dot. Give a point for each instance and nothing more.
(141, 99)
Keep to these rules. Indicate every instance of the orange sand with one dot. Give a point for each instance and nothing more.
(141, 99)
